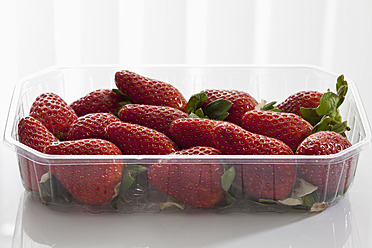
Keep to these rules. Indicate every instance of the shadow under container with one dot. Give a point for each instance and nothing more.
(137, 194)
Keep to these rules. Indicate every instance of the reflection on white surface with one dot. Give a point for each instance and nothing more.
(40, 226)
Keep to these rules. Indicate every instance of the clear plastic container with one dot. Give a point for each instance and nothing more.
(262, 82)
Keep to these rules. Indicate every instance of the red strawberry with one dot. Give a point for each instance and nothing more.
(241, 102)
(155, 117)
(302, 99)
(189, 132)
(289, 128)
(98, 101)
(331, 177)
(34, 134)
(138, 140)
(144, 90)
(260, 180)
(91, 126)
(54, 113)
(231, 139)
(190, 181)
(91, 184)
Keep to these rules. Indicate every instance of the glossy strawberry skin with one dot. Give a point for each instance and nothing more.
(98, 101)
(91, 126)
(302, 99)
(260, 180)
(34, 134)
(333, 177)
(241, 102)
(287, 127)
(91, 184)
(231, 139)
(54, 113)
(151, 116)
(143, 90)
(133, 139)
(190, 181)
(189, 132)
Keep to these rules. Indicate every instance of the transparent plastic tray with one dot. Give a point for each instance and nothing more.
(262, 82)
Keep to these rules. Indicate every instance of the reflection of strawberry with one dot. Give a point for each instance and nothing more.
(133, 139)
(91, 126)
(260, 180)
(289, 128)
(54, 113)
(34, 134)
(241, 102)
(144, 90)
(155, 117)
(98, 101)
(190, 181)
(189, 132)
(332, 177)
(90, 184)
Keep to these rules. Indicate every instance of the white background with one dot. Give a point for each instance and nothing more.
(333, 34)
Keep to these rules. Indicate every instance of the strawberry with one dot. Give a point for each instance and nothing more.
(91, 126)
(148, 91)
(260, 180)
(99, 101)
(189, 132)
(54, 113)
(134, 139)
(34, 134)
(314, 106)
(241, 102)
(289, 128)
(231, 139)
(189, 181)
(155, 117)
(302, 99)
(91, 184)
(333, 177)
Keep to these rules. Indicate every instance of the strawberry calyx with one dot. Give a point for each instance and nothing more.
(216, 110)
(130, 173)
(328, 124)
(267, 106)
(49, 184)
(227, 179)
(328, 105)
(126, 99)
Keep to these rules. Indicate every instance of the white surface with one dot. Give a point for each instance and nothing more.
(332, 34)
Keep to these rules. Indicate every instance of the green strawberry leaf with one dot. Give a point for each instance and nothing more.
(227, 178)
(328, 104)
(129, 176)
(308, 200)
(217, 110)
(193, 115)
(326, 116)
(323, 125)
(199, 113)
(196, 101)
(328, 124)
(270, 107)
(50, 186)
(341, 83)
(311, 115)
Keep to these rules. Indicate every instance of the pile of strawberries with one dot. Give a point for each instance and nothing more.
(144, 116)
